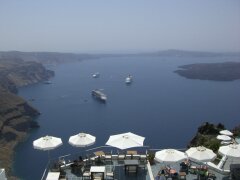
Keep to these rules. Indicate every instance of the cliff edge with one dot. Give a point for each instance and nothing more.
(16, 115)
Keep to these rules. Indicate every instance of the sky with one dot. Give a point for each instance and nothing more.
(119, 26)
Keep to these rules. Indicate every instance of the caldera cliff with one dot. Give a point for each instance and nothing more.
(16, 114)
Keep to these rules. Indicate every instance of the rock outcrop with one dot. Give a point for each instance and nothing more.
(206, 136)
(16, 73)
(207, 133)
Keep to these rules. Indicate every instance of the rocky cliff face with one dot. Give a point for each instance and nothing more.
(16, 73)
(16, 118)
(16, 115)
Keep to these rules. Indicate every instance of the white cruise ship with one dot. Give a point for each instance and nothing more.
(99, 95)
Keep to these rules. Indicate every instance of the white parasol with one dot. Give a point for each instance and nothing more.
(226, 132)
(224, 137)
(82, 140)
(47, 143)
(125, 140)
(201, 154)
(169, 156)
(231, 150)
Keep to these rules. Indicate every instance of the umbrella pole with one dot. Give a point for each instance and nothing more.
(48, 156)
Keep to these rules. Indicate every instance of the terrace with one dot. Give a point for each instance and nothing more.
(107, 163)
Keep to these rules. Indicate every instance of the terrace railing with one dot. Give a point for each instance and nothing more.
(87, 154)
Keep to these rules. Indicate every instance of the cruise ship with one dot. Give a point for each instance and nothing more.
(99, 95)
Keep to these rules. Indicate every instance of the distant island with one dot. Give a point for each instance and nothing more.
(226, 71)
(185, 53)
(58, 57)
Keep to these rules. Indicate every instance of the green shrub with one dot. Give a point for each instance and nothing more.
(150, 157)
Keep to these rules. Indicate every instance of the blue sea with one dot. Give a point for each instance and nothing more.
(160, 105)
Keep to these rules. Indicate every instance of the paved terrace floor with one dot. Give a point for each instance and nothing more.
(150, 172)
(156, 167)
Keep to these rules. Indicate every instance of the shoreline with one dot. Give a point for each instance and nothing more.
(17, 116)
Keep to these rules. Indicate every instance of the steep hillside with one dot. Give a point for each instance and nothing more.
(16, 73)
(16, 115)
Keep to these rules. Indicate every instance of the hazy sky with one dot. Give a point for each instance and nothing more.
(119, 25)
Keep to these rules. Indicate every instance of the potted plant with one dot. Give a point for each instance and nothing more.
(151, 157)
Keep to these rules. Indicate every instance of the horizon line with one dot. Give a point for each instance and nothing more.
(122, 51)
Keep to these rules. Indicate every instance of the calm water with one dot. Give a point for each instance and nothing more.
(160, 105)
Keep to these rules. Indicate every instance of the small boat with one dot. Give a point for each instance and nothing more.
(99, 95)
(96, 75)
(128, 79)
(47, 82)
